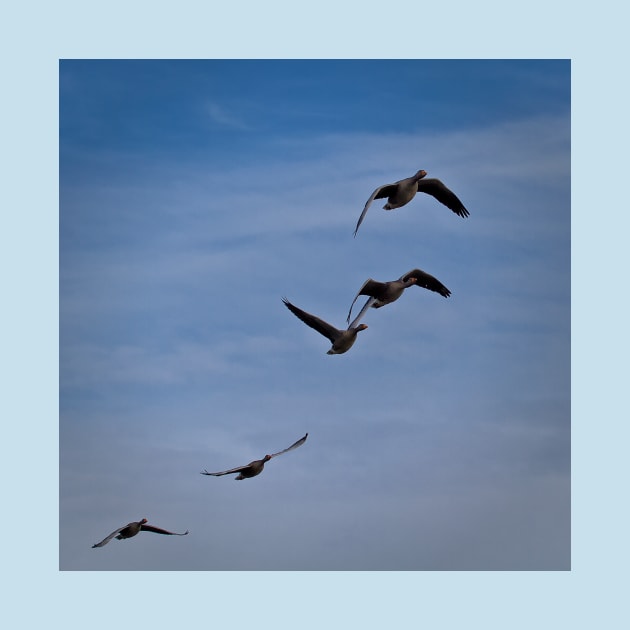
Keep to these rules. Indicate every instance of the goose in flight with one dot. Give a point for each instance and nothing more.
(256, 467)
(402, 192)
(342, 340)
(131, 529)
(381, 293)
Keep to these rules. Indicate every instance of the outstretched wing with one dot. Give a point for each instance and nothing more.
(158, 530)
(444, 195)
(322, 327)
(380, 193)
(427, 281)
(106, 540)
(298, 443)
(370, 287)
(224, 472)
(362, 312)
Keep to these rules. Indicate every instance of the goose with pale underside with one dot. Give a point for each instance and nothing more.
(256, 467)
(132, 529)
(382, 293)
(342, 340)
(402, 192)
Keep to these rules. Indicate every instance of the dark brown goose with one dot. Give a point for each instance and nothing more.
(402, 192)
(256, 467)
(131, 529)
(381, 293)
(342, 340)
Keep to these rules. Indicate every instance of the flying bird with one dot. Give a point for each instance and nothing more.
(381, 293)
(342, 340)
(402, 192)
(256, 467)
(131, 529)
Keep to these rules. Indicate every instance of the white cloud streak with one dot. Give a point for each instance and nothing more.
(222, 118)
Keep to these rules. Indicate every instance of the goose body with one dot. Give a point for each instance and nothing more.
(342, 340)
(402, 192)
(256, 467)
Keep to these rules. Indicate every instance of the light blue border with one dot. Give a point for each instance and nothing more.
(36, 594)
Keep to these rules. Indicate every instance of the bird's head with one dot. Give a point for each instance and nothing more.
(420, 174)
(143, 521)
(266, 458)
(361, 327)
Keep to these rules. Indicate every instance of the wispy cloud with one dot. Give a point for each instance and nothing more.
(220, 116)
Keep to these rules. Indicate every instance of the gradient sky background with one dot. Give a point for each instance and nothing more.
(194, 195)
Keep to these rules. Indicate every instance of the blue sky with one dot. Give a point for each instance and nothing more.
(194, 195)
